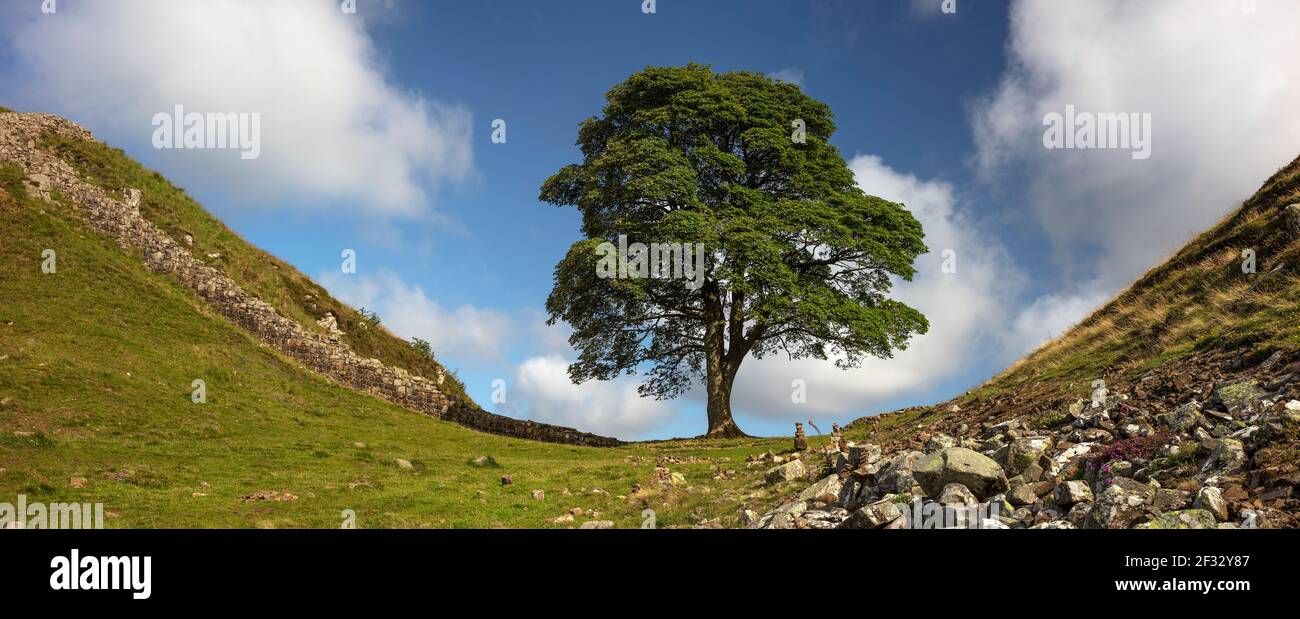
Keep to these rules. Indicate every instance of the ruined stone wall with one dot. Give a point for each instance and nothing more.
(119, 217)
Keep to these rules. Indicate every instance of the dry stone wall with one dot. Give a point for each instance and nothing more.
(119, 216)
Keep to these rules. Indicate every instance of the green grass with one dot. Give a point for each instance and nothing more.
(271, 279)
(96, 363)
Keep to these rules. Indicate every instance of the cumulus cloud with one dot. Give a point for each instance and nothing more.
(543, 392)
(1221, 84)
(465, 333)
(960, 306)
(333, 127)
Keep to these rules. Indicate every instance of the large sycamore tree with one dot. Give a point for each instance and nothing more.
(798, 259)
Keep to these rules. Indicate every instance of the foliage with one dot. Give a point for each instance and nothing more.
(798, 259)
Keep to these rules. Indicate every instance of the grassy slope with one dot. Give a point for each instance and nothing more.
(1197, 300)
(270, 278)
(97, 359)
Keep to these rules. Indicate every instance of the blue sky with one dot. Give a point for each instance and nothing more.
(941, 111)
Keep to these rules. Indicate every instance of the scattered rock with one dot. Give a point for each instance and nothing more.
(77, 482)
(1211, 500)
(539, 495)
(1072, 492)
(1228, 457)
(958, 465)
(269, 495)
(403, 464)
(1184, 418)
(1182, 519)
(789, 471)
(827, 490)
(597, 524)
(873, 516)
(1120, 505)
(957, 494)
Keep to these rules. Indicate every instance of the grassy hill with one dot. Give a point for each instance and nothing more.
(97, 360)
(1197, 302)
(96, 365)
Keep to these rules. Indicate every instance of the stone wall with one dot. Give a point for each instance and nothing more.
(119, 217)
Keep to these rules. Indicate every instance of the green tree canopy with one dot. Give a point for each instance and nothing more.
(798, 260)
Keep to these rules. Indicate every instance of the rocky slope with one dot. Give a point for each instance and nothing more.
(1176, 405)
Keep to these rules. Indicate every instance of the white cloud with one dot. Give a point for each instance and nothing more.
(464, 334)
(1221, 86)
(961, 307)
(543, 392)
(333, 127)
(1048, 317)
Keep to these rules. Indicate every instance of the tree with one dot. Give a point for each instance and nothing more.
(797, 259)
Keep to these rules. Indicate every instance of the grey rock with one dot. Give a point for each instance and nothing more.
(1239, 396)
(1211, 500)
(828, 487)
(1228, 457)
(1072, 492)
(1185, 417)
(957, 465)
(789, 471)
(1182, 519)
(1024, 452)
(957, 494)
(1120, 505)
(873, 516)
(896, 476)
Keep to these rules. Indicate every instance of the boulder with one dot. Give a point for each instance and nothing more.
(896, 476)
(1072, 492)
(1239, 396)
(1120, 505)
(1228, 457)
(1184, 418)
(789, 471)
(958, 465)
(1021, 494)
(957, 494)
(1211, 500)
(1024, 452)
(940, 442)
(1182, 519)
(862, 454)
(873, 516)
(784, 517)
(827, 490)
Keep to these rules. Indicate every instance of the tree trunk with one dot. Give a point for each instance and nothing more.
(721, 425)
(719, 374)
